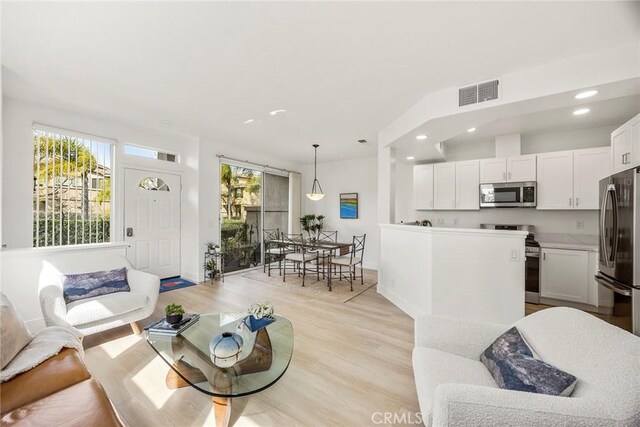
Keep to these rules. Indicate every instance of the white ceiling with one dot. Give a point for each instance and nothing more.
(342, 70)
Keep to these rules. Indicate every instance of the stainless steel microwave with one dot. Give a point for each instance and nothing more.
(508, 195)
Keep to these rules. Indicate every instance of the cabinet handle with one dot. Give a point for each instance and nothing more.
(544, 256)
(624, 161)
(577, 201)
(570, 200)
(504, 176)
(509, 175)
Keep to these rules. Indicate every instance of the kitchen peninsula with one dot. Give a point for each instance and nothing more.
(468, 273)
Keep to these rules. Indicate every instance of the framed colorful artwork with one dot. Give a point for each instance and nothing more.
(349, 205)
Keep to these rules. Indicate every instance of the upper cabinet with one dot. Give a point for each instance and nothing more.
(521, 168)
(589, 167)
(555, 180)
(625, 145)
(423, 187)
(468, 185)
(444, 185)
(569, 179)
(493, 170)
(510, 169)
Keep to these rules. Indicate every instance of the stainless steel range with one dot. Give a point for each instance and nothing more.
(532, 263)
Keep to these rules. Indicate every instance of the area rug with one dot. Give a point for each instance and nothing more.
(341, 292)
(174, 283)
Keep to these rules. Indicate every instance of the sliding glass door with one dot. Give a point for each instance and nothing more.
(249, 198)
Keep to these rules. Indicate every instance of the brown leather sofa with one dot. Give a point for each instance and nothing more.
(59, 391)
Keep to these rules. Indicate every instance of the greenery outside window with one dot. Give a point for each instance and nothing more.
(71, 188)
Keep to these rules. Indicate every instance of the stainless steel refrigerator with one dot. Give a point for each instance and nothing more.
(619, 261)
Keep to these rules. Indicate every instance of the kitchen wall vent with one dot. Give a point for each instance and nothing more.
(481, 92)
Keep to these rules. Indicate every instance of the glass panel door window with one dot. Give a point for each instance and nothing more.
(240, 216)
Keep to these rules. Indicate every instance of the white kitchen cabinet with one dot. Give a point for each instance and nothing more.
(444, 186)
(423, 187)
(521, 168)
(493, 170)
(509, 169)
(625, 145)
(555, 180)
(589, 167)
(468, 185)
(564, 275)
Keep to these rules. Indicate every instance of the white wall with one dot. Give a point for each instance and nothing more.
(347, 176)
(544, 221)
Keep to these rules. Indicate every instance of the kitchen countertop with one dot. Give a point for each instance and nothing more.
(582, 242)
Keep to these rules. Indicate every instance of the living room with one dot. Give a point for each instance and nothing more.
(252, 161)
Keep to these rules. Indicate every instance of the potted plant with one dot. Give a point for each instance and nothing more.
(174, 313)
(212, 247)
(312, 224)
(211, 268)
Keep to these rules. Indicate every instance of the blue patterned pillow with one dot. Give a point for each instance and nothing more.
(87, 285)
(514, 366)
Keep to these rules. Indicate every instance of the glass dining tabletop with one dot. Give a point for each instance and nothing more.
(264, 357)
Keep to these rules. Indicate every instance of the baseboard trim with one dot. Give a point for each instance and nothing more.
(398, 301)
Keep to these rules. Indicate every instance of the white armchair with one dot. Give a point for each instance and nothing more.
(96, 314)
(456, 389)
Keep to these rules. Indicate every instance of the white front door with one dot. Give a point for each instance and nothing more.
(152, 221)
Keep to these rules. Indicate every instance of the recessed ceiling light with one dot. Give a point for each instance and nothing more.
(410, 157)
(274, 112)
(246, 122)
(586, 94)
(421, 137)
(471, 130)
(581, 111)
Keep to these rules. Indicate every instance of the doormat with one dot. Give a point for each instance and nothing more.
(174, 283)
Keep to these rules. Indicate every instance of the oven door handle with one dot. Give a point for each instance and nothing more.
(609, 284)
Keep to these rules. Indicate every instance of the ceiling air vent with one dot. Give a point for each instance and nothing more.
(481, 92)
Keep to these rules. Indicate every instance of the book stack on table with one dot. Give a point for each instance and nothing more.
(162, 327)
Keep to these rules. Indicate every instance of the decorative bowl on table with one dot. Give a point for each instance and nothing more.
(255, 324)
(173, 319)
(225, 349)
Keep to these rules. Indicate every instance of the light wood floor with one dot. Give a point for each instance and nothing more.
(350, 360)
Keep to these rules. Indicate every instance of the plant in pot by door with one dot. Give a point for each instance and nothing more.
(174, 313)
(211, 268)
(212, 247)
(260, 315)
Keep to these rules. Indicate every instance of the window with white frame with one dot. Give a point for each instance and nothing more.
(71, 187)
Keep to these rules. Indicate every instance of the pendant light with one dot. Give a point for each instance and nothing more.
(316, 190)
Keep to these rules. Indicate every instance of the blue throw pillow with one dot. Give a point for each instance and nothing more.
(514, 366)
(76, 287)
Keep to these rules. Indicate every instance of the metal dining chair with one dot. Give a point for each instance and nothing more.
(324, 254)
(298, 259)
(274, 249)
(350, 261)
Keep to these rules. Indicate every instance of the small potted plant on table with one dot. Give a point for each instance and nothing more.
(174, 313)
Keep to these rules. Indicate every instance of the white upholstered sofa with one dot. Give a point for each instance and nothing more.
(455, 388)
(96, 314)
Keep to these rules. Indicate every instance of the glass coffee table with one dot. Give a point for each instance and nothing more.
(264, 358)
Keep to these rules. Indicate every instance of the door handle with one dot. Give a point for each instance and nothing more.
(129, 232)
